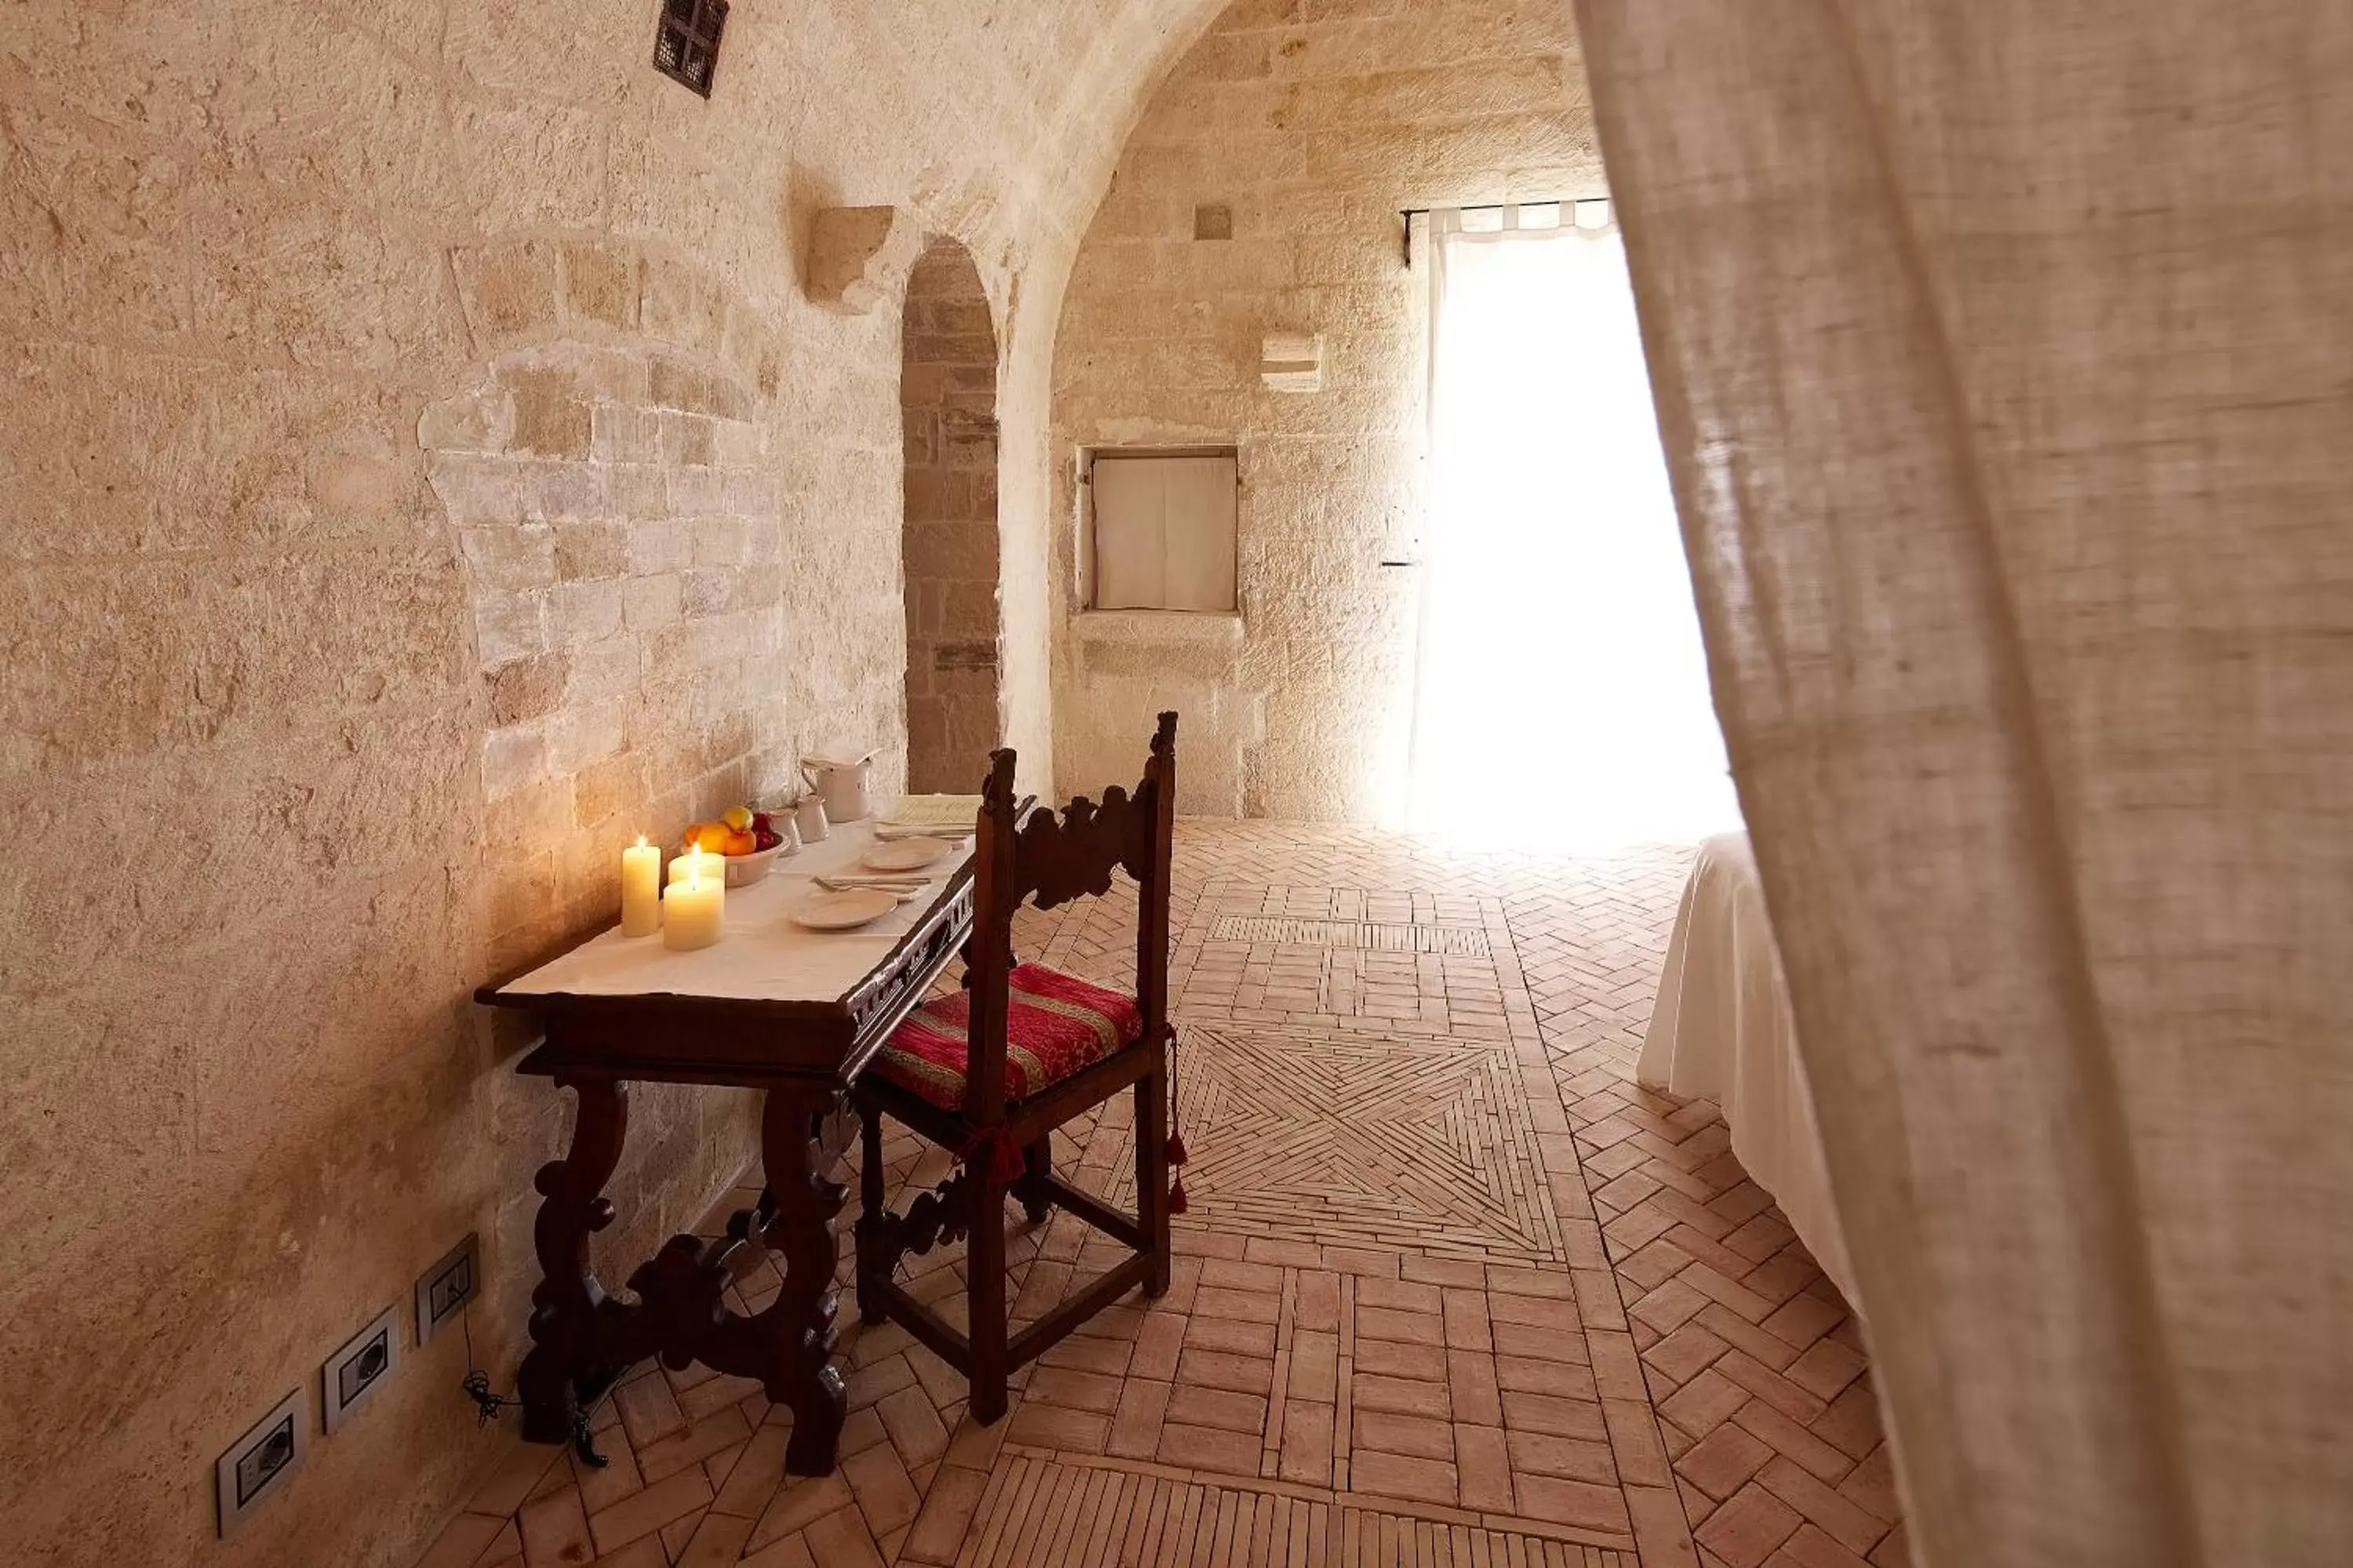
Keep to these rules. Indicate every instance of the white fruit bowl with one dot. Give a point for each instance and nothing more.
(742, 870)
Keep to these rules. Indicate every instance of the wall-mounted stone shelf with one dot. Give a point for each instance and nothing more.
(860, 257)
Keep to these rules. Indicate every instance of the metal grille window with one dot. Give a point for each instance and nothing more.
(686, 42)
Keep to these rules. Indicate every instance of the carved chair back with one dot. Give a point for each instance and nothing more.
(1053, 858)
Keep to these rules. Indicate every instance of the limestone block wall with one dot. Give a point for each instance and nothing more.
(609, 486)
(419, 470)
(948, 393)
(1301, 130)
(615, 505)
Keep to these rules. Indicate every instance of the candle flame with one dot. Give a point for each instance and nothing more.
(642, 841)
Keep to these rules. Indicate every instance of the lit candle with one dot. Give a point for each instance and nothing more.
(693, 911)
(699, 862)
(641, 885)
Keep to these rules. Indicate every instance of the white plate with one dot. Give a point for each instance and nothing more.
(841, 912)
(904, 855)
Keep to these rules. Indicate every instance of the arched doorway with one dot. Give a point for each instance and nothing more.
(948, 398)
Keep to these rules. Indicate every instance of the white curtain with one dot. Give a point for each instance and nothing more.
(1562, 691)
(2001, 353)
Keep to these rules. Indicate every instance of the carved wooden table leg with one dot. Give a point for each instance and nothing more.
(799, 1326)
(680, 1314)
(874, 1220)
(568, 1302)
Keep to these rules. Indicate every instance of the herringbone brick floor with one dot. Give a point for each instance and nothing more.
(1452, 1289)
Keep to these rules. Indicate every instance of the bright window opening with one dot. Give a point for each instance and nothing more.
(1562, 696)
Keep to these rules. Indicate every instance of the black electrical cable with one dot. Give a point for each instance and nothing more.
(487, 1404)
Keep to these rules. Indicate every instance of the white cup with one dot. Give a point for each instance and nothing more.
(808, 818)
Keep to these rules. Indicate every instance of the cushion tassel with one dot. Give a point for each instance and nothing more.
(1176, 1155)
(991, 1150)
(1176, 1204)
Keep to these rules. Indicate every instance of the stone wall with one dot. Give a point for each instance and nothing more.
(608, 480)
(1302, 131)
(615, 506)
(420, 471)
(948, 393)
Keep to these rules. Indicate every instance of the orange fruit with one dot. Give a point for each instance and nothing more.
(739, 844)
(710, 837)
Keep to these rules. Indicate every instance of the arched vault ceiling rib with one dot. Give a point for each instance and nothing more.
(1109, 85)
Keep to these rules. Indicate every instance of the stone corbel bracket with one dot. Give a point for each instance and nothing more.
(1291, 362)
(860, 258)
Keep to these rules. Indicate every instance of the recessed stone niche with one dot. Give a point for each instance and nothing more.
(948, 399)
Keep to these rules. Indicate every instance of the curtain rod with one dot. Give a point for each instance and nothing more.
(1409, 214)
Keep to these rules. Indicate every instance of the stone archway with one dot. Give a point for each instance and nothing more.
(948, 399)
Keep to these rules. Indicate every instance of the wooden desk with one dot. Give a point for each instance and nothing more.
(794, 1013)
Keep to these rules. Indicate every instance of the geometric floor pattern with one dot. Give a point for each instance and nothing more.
(1129, 1513)
(1365, 1140)
(1452, 1288)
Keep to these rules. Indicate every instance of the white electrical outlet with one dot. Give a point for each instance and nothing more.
(259, 1462)
(360, 1368)
(443, 1290)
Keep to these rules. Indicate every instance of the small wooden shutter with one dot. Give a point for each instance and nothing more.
(1163, 532)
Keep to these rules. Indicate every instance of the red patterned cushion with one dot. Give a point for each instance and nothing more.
(1055, 1025)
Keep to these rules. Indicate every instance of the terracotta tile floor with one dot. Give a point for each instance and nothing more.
(1452, 1291)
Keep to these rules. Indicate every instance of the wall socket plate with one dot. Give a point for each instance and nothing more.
(443, 1290)
(360, 1368)
(260, 1462)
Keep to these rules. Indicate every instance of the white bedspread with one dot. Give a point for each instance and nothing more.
(1722, 1029)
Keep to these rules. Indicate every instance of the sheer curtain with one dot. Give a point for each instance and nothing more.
(1562, 697)
(2001, 352)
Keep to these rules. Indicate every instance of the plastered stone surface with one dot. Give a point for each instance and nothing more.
(1311, 126)
(421, 467)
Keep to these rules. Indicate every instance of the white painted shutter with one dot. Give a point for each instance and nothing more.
(1164, 533)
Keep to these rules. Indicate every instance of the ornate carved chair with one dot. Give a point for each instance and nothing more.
(991, 1071)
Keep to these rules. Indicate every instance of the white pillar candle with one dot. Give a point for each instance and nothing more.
(699, 862)
(694, 912)
(641, 886)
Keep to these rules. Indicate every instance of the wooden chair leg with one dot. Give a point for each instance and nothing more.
(1152, 1172)
(985, 1298)
(871, 1265)
(1037, 1164)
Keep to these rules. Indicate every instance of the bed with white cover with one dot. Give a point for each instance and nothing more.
(1722, 1030)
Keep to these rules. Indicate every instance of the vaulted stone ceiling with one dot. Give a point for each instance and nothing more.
(293, 637)
(988, 117)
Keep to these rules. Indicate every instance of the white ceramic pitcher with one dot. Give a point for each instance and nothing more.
(843, 780)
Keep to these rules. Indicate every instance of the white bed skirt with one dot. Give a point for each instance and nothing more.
(1722, 1030)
